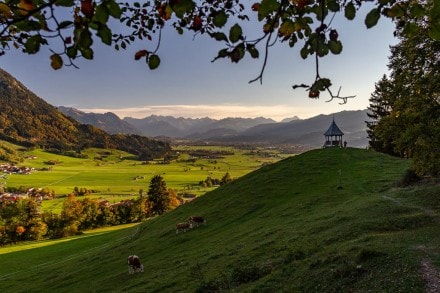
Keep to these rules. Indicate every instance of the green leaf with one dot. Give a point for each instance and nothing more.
(221, 54)
(28, 25)
(292, 41)
(372, 17)
(56, 61)
(105, 34)
(183, 6)
(321, 84)
(323, 50)
(287, 27)
(333, 5)
(253, 51)
(32, 44)
(237, 54)
(113, 9)
(72, 52)
(235, 33)
(335, 47)
(326, 82)
(320, 12)
(87, 53)
(65, 24)
(84, 39)
(396, 11)
(220, 19)
(350, 11)
(153, 62)
(101, 14)
(218, 36)
(266, 8)
(304, 52)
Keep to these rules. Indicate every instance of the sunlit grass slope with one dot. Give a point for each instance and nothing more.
(328, 220)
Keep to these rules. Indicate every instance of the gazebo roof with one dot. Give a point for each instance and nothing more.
(333, 130)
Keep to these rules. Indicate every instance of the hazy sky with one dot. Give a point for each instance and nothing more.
(187, 84)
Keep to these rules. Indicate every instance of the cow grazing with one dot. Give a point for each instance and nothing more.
(183, 227)
(196, 220)
(134, 264)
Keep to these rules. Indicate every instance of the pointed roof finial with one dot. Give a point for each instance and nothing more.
(333, 129)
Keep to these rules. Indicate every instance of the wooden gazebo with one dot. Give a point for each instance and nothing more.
(333, 136)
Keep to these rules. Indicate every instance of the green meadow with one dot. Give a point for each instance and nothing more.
(329, 220)
(115, 175)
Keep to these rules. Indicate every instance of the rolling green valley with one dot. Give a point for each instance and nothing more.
(328, 220)
(115, 175)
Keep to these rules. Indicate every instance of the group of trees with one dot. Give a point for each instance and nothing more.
(209, 181)
(405, 107)
(21, 220)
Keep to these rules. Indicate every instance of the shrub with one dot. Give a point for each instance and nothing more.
(410, 177)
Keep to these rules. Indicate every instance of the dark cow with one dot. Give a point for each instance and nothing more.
(134, 264)
(183, 227)
(196, 220)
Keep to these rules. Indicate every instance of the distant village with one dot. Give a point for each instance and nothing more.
(9, 169)
(37, 193)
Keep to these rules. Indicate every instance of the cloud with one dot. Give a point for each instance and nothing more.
(276, 112)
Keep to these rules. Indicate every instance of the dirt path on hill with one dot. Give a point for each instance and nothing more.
(429, 272)
(430, 275)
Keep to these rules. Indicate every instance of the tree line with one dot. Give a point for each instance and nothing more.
(22, 220)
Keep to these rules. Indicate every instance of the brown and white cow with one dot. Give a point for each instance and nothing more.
(183, 227)
(134, 264)
(196, 220)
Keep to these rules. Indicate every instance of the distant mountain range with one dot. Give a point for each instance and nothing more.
(28, 120)
(307, 132)
(108, 122)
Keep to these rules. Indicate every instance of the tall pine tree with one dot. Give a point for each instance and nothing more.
(158, 196)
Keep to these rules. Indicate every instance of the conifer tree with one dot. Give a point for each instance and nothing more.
(158, 196)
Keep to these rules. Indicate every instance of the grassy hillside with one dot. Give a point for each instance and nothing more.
(328, 220)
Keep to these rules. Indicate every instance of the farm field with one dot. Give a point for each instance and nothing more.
(115, 175)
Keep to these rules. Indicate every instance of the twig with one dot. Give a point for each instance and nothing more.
(266, 54)
(344, 99)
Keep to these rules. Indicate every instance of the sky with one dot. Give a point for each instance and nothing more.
(187, 84)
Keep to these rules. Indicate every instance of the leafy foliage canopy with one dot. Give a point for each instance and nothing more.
(405, 107)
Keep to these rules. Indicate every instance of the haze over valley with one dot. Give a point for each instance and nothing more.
(264, 131)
